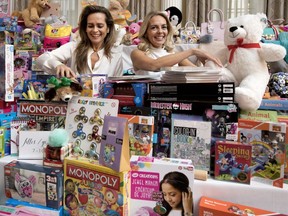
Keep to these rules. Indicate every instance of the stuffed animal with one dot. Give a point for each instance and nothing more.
(175, 17)
(57, 139)
(63, 90)
(246, 58)
(119, 12)
(120, 32)
(31, 15)
(132, 33)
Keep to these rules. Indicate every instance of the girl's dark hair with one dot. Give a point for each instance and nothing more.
(180, 182)
(85, 43)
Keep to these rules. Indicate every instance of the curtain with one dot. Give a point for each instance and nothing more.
(142, 7)
(276, 9)
(196, 10)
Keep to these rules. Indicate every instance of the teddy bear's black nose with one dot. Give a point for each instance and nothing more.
(232, 29)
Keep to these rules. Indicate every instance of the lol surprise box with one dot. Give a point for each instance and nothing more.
(34, 183)
(147, 173)
(92, 189)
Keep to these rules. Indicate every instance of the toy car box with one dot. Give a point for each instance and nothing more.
(34, 183)
(214, 207)
(92, 189)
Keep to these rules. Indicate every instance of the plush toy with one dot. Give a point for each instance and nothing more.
(246, 58)
(63, 90)
(57, 139)
(120, 32)
(119, 12)
(132, 33)
(175, 17)
(31, 15)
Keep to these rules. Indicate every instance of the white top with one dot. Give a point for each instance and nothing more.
(65, 54)
(175, 213)
(154, 53)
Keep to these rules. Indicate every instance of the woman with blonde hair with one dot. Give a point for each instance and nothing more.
(156, 49)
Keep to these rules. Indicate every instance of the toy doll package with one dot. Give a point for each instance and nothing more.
(92, 189)
(150, 179)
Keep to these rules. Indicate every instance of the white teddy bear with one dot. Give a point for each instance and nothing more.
(246, 58)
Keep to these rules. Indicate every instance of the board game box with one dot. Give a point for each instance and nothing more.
(210, 206)
(148, 189)
(233, 161)
(92, 189)
(268, 140)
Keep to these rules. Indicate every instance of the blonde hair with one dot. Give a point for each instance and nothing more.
(145, 44)
(84, 44)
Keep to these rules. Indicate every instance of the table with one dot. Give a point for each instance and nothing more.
(256, 195)
(127, 63)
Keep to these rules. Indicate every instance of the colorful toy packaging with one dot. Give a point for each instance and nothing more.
(150, 178)
(34, 183)
(140, 130)
(84, 123)
(92, 189)
(210, 206)
(114, 150)
(33, 209)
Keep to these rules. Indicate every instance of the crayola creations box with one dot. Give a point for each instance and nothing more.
(92, 189)
(34, 183)
(214, 207)
(154, 181)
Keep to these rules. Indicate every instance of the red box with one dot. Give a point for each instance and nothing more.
(214, 207)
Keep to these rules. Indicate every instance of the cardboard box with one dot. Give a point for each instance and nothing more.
(96, 190)
(214, 207)
(34, 183)
(146, 176)
(7, 72)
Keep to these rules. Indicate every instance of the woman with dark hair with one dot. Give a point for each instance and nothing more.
(177, 195)
(156, 48)
(93, 53)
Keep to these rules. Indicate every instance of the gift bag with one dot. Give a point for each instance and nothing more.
(114, 149)
(271, 32)
(214, 28)
(189, 34)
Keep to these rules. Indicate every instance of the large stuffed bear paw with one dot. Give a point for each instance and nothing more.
(247, 99)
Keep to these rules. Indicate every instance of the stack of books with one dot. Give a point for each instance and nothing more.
(188, 74)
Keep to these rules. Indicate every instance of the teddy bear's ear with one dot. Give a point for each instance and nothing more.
(50, 94)
(76, 86)
(263, 19)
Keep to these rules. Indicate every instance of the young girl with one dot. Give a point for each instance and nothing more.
(177, 194)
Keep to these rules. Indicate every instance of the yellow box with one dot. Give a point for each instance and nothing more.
(92, 189)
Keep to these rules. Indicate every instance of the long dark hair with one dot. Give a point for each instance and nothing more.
(180, 182)
(85, 43)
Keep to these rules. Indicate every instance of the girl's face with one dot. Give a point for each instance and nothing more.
(157, 31)
(110, 198)
(96, 29)
(73, 204)
(172, 196)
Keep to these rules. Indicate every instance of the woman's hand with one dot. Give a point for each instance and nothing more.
(204, 56)
(187, 201)
(64, 71)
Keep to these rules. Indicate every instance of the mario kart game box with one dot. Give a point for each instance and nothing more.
(92, 189)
